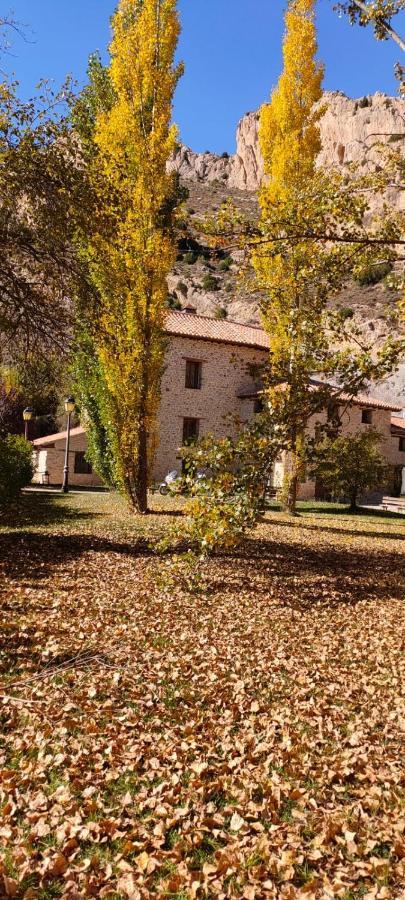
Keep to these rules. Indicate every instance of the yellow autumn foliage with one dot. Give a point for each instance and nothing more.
(290, 142)
(312, 234)
(289, 135)
(131, 248)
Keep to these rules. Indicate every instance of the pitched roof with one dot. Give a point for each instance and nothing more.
(398, 426)
(191, 325)
(372, 402)
(59, 436)
(359, 400)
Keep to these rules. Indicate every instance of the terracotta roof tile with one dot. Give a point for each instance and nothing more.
(228, 332)
(59, 436)
(398, 426)
(360, 400)
(373, 402)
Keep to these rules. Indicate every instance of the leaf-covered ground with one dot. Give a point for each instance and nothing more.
(239, 737)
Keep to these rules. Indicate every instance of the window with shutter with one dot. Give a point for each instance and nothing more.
(193, 374)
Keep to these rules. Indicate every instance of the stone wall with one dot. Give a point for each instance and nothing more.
(225, 372)
(51, 459)
(351, 423)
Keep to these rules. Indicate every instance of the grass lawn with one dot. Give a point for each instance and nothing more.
(233, 737)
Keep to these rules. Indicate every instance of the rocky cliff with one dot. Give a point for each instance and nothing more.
(351, 131)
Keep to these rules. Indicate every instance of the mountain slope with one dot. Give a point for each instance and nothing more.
(351, 131)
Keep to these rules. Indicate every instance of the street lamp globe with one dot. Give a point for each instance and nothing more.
(28, 414)
(70, 404)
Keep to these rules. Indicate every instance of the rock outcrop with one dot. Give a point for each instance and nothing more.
(351, 131)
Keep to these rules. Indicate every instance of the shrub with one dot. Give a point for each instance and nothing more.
(16, 469)
(225, 264)
(182, 288)
(229, 499)
(364, 102)
(173, 302)
(346, 312)
(190, 258)
(210, 283)
(221, 312)
(373, 274)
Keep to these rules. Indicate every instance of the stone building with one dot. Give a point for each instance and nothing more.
(211, 379)
(49, 460)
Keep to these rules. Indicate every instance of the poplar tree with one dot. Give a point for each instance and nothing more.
(313, 233)
(297, 267)
(290, 142)
(130, 246)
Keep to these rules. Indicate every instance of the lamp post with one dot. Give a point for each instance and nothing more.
(69, 407)
(28, 415)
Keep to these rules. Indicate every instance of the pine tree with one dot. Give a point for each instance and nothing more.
(130, 247)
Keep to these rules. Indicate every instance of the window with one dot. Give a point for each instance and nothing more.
(402, 444)
(82, 467)
(333, 420)
(366, 416)
(193, 374)
(191, 428)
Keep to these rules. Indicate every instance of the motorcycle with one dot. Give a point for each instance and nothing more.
(173, 483)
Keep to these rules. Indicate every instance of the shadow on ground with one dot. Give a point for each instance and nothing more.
(32, 556)
(301, 575)
(302, 571)
(35, 509)
(326, 528)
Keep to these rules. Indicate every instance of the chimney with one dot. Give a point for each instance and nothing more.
(189, 310)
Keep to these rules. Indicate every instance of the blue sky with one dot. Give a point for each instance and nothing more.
(231, 48)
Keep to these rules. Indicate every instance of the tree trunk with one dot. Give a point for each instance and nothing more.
(141, 489)
(353, 501)
(291, 505)
(141, 485)
(292, 491)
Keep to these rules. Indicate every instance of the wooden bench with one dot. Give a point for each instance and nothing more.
(394, 503)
